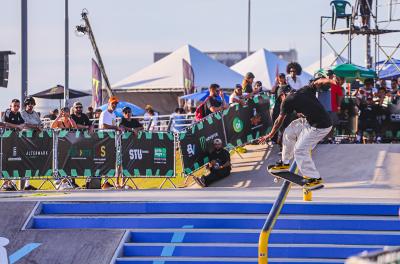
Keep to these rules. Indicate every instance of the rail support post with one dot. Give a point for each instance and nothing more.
(271, 219)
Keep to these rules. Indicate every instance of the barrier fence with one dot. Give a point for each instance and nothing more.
(105, 153)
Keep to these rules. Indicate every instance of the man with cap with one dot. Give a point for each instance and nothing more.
(248, 83)
(128, 123)
(304, 133)
(108, 119)
(81, 119)
(219, 165)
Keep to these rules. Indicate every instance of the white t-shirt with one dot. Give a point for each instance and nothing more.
(233, 96)
(294, 85)
(107, 118)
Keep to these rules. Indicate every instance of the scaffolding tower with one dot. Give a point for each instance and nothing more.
(351, 31)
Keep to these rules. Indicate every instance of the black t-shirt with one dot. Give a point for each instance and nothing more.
(304, 101)
(221, 157)
(134, 123)
(82, 120)
(211, 102)
(13, 118)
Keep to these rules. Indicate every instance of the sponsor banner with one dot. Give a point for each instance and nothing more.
(148, 154)
(244, 124)
(83, 154)
(27, 153)
(97, 93)
(196, 141)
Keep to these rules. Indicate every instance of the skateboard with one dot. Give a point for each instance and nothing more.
(294, 178)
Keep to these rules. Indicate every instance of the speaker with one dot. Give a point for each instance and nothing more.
(4, 69)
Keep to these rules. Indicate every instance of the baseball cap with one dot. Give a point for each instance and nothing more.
(126, 109)
(238, 86)
(113, 99)
(77, 104)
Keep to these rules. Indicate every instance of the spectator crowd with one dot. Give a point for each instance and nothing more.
(360, 111)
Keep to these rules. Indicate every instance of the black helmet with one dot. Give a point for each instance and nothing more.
(29, 100)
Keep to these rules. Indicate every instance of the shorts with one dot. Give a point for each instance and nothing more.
(365, 7)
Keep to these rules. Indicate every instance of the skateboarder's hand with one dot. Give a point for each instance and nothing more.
(264, 139)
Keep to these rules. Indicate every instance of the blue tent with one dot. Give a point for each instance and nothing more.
(389, 70)
(136, 110)
(201, 96)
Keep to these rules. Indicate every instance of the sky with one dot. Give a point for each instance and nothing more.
(128, 32)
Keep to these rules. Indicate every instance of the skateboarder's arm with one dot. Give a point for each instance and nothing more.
(277, 124)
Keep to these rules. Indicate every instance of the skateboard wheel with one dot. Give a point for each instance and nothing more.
(276, 180)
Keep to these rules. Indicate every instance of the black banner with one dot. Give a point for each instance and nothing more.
(84, 154)
(27, 153)
(148, 154)
(196, 141)
(244, 124)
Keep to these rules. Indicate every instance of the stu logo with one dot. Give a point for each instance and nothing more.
(135, 154)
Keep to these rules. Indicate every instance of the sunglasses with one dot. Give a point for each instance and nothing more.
(127, 112)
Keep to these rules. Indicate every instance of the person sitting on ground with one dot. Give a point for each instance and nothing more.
(247, 83)
(64, 120)
(53, 114)
(237, 96)
(108, 119)
(151, 118)
(215, 102)
(219, 165)
(293, 70)
(128, 123)
(31, 117)
(81, 119)
(90, 112)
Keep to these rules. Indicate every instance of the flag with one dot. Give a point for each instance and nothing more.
(97, 96)
(188, 77)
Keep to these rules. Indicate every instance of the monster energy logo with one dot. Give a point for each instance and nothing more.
(203, 143)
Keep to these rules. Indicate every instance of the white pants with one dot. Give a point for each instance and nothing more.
(299, 139)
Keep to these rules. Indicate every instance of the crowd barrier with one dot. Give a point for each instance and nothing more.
(80, 154)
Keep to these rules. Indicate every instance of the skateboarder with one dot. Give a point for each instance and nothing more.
(304, 133)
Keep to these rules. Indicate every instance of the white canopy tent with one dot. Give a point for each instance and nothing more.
(329, 60)
(265, 65)
(167, 73)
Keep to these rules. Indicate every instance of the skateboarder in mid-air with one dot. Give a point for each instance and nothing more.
(304, 133)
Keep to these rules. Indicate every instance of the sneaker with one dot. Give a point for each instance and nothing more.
(278, 167)
(200, 181)
(314, 184)
(106, 186)
(30, 188)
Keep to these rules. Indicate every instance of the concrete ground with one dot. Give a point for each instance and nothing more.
(352, 173)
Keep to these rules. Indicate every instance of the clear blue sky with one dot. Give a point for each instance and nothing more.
(129, 31)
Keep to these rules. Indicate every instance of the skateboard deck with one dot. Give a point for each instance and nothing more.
(293, 178)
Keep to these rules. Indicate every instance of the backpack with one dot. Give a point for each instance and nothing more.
(200, 112)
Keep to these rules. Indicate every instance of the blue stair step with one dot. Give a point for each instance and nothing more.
(187, 260)
(216, 207)
(302, 223)
(245, 250)
(290, 237)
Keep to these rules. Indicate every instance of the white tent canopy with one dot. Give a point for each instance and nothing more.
(329, 60)
(265, 65)
(167, 73)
